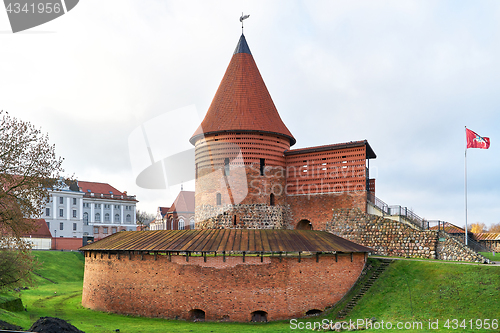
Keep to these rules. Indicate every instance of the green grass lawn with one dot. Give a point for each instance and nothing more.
(409, 291)
(490, 256)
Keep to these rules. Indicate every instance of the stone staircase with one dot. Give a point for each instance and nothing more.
(365, 287)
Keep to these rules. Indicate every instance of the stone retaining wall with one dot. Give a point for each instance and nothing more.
(393, 238)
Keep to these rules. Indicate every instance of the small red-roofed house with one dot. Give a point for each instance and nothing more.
(40, 238)
(179, 216)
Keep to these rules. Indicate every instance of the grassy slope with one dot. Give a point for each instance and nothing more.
(490, 256)
(438, 291)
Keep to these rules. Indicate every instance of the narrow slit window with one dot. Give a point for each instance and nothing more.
(262, 165)
(226, 167)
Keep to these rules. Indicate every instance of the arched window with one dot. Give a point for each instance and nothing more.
(128, 218)
(304, 225)
(117, 218)
(197, 315)
(191, 224)
(106, 217)
(259, 316)
(271, 199)
(86, 218)
(219, 199)
(97, 217)
(314, 312)
(181, 224)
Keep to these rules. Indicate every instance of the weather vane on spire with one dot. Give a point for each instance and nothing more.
(243, 17)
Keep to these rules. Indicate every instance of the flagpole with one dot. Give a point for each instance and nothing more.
(466, 236)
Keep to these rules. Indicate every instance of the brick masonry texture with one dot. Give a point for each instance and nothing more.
(392, 238)
(229, 290)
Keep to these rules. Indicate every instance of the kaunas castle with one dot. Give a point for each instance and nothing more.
(279, 233)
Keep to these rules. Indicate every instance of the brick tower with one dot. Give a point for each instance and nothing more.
(239, 153)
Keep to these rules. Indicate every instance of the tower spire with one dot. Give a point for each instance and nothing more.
(243, 17)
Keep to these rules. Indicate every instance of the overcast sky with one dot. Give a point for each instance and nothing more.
(405, 75)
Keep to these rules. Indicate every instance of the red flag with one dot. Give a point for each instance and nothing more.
(476, 141)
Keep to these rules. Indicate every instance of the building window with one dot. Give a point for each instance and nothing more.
(262, 164)
(74, 226)
(128, 218)
(219, 199)
(117, 207)
(74, 212)
(74, 201)
(97, 205)
(48, 225)
(113, 230)
(106, 217)
(226, 167)
(191, 224)
(86, 218)
(117, 218)
(271, 199)
(61, 226)
(61, 212)
(61, 200)
(96, 230)
(47, 211)
(181, 224)
(105, 230)
(98, 217)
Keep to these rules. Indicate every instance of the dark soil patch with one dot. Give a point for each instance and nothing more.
(9, 327)
(53, 325)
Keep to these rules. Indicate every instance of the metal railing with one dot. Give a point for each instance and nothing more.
(378, 203)
(400, 211)
(471, 242)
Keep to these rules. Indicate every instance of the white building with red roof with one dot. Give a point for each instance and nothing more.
(106, 210)
(88, 210)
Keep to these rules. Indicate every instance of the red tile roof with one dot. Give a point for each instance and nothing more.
(184, 203)
(40, 231)
(164, 210)
(98, 188)
(242, 101)
(105, 189)
(449, 228)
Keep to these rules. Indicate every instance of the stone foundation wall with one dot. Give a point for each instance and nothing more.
(253, 216)
(393, 238)
(227, 289)
(449, 248)
(386, 237)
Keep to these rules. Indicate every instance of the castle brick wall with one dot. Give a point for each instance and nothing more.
(318, 208)
(229, 290)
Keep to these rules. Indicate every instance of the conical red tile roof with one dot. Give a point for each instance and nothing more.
(242, 102)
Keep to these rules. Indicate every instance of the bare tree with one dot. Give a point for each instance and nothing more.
(28, 168)
(495, 228)
(143, 218)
